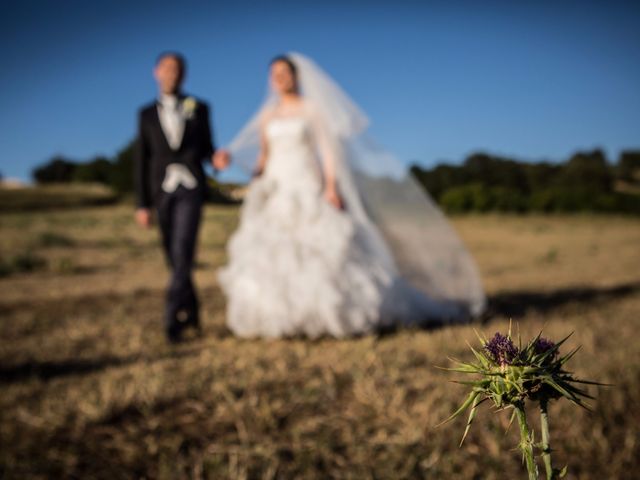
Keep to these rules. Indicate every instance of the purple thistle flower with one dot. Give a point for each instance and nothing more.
(501, 349)
(543, 345)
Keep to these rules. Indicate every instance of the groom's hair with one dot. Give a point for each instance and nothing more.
(178, 57)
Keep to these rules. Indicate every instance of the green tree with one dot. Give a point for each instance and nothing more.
(121, 178)
(587, 172)
(58, 169)
(496, 171)
(97, 170)
(628, 168)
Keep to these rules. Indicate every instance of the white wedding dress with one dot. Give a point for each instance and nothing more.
(297, 265)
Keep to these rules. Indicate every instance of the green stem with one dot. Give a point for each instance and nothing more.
(546, 447)
(526, 445)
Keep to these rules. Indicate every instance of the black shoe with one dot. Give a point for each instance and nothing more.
(189, 319)
(174, 333)
(194, 322)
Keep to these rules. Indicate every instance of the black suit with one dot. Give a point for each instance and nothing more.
(179, 212)
(153, 152)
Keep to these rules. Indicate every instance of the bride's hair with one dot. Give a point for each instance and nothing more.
(291, 65)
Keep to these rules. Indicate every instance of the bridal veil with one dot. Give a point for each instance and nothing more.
(380, 192)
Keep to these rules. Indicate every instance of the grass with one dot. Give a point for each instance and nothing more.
(53, 196)
(90, 389)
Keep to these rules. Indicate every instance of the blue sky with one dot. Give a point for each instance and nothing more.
(439, 80)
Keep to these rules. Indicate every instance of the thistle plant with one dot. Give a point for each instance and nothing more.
(511, 375)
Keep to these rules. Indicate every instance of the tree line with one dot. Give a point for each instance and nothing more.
(586, 181)
(116, 172)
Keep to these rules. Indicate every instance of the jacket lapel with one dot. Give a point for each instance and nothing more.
(158, 125)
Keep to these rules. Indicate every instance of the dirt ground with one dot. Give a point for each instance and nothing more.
(90, 389)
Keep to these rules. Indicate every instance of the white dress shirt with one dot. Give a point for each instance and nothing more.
(172, 122)
(171, 119)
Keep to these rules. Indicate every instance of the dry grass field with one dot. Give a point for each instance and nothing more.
(90, 389)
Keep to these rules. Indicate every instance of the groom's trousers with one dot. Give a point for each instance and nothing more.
(179, 214)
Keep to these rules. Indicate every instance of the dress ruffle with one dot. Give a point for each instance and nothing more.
(299, 266)
(296, 268)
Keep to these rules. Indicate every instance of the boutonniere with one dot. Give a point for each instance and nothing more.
(189, 107)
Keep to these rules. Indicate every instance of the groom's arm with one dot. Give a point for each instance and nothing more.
(219, 158)
(209, 142)
(141, 167)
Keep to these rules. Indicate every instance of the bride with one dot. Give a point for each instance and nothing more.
(335, 237)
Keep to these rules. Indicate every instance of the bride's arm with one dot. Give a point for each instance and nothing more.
(327, 146)
(263, 154)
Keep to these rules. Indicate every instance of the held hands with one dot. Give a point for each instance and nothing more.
(332, 196)
(221, 159)
(257, 171)
(143, 217)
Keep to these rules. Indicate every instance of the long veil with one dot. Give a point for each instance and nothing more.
(379, 191)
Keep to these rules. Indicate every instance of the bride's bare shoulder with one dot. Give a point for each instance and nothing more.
(310, 105)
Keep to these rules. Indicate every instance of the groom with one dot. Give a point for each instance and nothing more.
(174, 139)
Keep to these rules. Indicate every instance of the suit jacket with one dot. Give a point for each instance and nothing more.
(153, 153)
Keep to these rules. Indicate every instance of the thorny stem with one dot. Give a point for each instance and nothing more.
(546, 447)
(526, 445)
